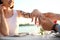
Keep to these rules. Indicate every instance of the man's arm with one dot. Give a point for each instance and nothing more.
(52, 16)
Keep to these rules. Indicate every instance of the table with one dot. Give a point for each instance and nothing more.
(30, 37)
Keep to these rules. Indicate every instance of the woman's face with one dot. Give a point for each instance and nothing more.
(8, 3)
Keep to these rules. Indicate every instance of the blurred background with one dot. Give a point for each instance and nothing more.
(25, 24)
(41, 5)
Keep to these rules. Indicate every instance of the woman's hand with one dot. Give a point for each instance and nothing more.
(35, 14)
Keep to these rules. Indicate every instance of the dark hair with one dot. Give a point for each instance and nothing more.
(1, 2)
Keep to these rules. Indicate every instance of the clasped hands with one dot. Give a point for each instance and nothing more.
(45, 22)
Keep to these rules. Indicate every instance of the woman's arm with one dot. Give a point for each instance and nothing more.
(4, 27)
(23, 14)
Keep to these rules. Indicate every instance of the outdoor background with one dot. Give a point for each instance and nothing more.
(29, 6)
(41, 5)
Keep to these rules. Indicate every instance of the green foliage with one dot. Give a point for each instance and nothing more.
(26, 24)
(41, 31)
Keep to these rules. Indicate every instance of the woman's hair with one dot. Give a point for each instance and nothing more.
(1, 2)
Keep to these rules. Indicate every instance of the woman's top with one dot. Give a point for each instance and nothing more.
(12, 23)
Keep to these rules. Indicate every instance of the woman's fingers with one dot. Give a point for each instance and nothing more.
(31, 16)
(35, 19)
(32, 19)
(39, 21)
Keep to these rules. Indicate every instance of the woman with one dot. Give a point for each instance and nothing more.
(3, 26)
(9, 26)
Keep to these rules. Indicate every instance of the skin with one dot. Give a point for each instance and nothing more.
(45, 19)
(6, 12)
(3, 25)
(4, 30)
(52, 16)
